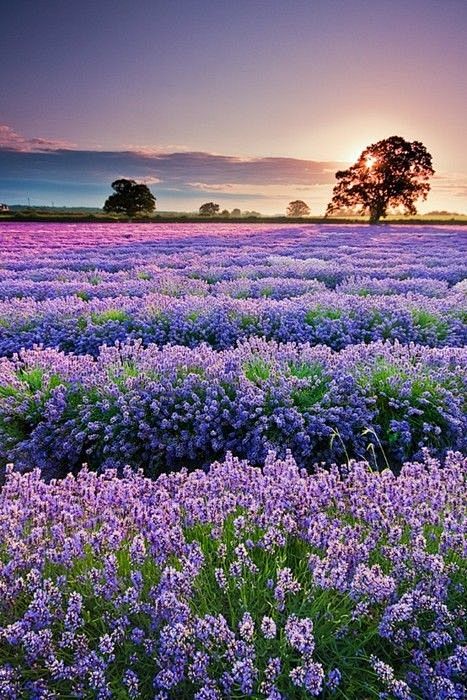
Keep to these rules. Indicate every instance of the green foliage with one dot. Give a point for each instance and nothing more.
(121, 374)
(317, 383)
(427, 321)
(316, 315)
(257, 370)
(184, 372)
(27, 397)
(415, 398)
(248, 321)
(110, 315)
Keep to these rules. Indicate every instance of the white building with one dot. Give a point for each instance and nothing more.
(4, 208)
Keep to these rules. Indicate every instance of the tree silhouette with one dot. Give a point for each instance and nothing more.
(130, 198)
(209, 209)
(392, 172)
(236, 213)
(298, 208)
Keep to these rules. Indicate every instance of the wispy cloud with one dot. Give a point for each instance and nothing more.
(453, 184)
(12, 141)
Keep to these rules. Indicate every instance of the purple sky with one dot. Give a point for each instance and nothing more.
(249, 103)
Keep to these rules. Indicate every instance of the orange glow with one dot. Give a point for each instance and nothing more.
(370, 162)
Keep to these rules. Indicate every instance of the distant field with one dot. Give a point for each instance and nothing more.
(90, 215)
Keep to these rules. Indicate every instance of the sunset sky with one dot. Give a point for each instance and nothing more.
(249, 103)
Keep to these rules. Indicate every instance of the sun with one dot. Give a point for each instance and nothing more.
(370, 162)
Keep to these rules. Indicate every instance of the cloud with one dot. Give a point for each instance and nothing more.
(12, 141)
(187, 170)
(204, 187)
(155, 150)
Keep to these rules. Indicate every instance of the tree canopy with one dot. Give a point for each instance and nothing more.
(298, 208)
(209, 209)
(391, 173)
(130, 198)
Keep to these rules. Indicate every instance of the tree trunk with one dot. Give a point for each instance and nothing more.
(375, 214)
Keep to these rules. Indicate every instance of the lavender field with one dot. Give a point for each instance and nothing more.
(273, 425)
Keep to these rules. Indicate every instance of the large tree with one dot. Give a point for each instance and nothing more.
(298, 208)
(130, 198)
(209, 209)
(391, 173)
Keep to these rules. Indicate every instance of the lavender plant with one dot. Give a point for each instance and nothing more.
(236, 582)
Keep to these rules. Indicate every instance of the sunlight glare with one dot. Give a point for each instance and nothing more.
(370, 162)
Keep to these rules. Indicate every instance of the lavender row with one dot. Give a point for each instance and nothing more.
(333, 319)
(97, 286)
(165, 408)
(240, 582)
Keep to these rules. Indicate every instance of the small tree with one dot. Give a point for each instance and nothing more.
(225, 213)
(298, 208)
(209, 209)
(130, 198)
(390, 173)
(236, 213)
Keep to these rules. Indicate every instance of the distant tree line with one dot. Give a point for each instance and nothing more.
(391, 173)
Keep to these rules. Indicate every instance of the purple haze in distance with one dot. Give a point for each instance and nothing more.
(308, 84)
